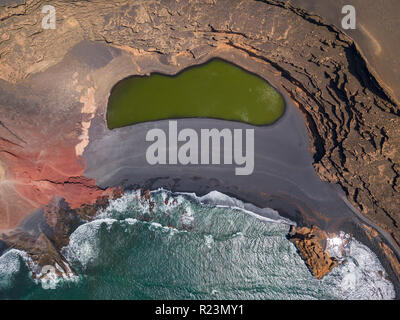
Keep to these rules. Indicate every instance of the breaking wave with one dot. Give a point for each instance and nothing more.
(180, 246)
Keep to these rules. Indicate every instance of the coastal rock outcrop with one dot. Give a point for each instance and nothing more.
(311, 243)
(47, 231)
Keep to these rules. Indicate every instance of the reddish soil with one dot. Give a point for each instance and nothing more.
(30, 179)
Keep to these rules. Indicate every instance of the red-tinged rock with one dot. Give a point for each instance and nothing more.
(34, 178)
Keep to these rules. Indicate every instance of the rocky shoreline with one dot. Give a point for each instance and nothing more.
(55, 84)
(43, 235)
(46, 232)
(311, 243)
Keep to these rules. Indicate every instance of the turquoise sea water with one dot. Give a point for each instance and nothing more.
(188, 247)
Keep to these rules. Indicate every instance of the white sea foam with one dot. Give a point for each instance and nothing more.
(338, 246)
(209, 240)
(156, 225)
(360, 274)
(49, 278)
(222, 200)
(131, 221)
(10, 265)
(360, 277)
(215, 198)
(84, 246)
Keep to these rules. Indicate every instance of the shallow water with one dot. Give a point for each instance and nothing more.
(216, 89)
(187, 247)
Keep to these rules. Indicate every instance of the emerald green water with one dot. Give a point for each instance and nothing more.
(216, 89)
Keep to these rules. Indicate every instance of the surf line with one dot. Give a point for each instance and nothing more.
(189, 152)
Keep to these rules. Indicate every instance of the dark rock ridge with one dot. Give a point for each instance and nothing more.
(352, 121)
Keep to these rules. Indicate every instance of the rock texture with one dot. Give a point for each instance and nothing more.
(311, 243)
(374, 33)
(353, 122)
(44, 234)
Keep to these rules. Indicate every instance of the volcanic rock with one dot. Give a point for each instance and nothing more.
(45, 233)
(311, 243)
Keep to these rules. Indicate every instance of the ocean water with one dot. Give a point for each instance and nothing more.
(188, 247)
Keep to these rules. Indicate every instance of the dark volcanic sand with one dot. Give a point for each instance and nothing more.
(283, 178)
(283, 165)
(283, 170)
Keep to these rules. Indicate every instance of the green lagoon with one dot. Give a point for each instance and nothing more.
(216, 89)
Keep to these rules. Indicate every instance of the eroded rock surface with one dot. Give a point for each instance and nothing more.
(311, 243)
(47, 231)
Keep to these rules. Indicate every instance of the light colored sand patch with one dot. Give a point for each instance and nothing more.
(375, 43)
(40, 66)
(88, 101)
(2, 172)
(89, 109)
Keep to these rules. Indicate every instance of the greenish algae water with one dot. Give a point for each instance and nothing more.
(216, 89)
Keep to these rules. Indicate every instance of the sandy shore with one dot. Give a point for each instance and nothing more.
(283, 166)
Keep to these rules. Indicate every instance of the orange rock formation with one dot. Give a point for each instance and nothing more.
(311, 244)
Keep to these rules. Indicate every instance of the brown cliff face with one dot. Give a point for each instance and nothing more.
(38, 158)
(311, 244)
